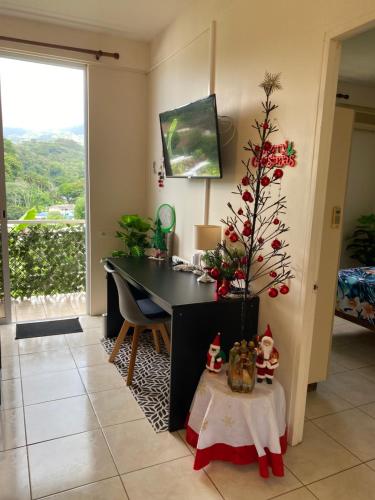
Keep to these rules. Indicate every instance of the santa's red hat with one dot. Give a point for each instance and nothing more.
(267, 334)
(216, 341)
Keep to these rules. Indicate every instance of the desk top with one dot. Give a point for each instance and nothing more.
(168, 288)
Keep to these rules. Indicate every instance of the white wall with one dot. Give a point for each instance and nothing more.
(117, 100)
(251, 38)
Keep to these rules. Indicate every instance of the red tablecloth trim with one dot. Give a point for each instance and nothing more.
(240, 455)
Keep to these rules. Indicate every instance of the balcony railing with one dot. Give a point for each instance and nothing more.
(46, 257)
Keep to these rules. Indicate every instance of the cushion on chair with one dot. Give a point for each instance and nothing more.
(150, 309)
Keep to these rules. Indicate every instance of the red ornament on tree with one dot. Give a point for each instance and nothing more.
(215, 273)
(260, 241)
(233, 237)
(265, 181)
(240, 211)
(273, 274)
(272, 292)
(245, 181)
(243, 260)
(276, 244)
(223, 290)
(276, 222)
(265, 125)
(247, 196)
(284, 289)
(246, 231)
(260, 258)
(227, 232)
(278, 173)
(231, 228)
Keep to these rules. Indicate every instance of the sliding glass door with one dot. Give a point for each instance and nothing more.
(5, 303)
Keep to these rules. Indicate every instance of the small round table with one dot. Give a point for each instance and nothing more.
(235, 427)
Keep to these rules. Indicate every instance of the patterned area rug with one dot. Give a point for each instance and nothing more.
(151, 377)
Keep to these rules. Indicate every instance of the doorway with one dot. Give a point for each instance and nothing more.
(43, 181)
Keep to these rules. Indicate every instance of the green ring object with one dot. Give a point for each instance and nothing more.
(172, 217)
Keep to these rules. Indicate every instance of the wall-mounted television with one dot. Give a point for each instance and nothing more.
(191, 142)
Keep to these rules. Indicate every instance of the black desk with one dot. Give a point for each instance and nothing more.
(196, 316)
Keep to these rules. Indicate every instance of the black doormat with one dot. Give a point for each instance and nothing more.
(150, 385)
(45, 328)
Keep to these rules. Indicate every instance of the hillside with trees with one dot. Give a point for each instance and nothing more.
(43, 173)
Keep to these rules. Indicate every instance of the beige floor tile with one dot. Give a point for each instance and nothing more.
(108, 489)
(354, 484)
(317, 456)
(369, 409)
(51, 386)
(324, 402)
(40, 344)
(12, 429)
(87, 337)
(9, 347)
(59, 418)
(300, 494)
(371, 464)
(170, 481)
(47, 361)
(182, 434)
(14, 476)
(101, 377)
(115, 406)
(353, 429)
(135, 445)
(8, 331)
(91, 321)
(367, 372)
(10, 367)
(233, 480)
(89, 355)
(11, 394)
(69, 462)
(353, 357)
(352, 387)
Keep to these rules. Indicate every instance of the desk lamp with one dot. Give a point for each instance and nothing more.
(206, 237)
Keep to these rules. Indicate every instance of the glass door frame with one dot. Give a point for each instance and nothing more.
(4, 257)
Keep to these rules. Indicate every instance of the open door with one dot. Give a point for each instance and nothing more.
(331, 243)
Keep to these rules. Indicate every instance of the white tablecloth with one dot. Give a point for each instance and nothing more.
(240, 428)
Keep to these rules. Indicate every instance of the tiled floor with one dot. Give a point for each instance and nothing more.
(71, 430)
(53, 306)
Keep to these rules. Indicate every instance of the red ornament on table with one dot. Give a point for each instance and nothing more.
(215, 357)
(272, 292)
(268, 357)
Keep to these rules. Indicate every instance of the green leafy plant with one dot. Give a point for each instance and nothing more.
(133, 235)
(362, 246)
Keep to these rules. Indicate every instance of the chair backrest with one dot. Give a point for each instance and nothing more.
(128, 306)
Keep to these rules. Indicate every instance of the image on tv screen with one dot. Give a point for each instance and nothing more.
(190, 140)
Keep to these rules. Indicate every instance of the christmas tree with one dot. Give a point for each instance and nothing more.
(158, 239)
(256, 225)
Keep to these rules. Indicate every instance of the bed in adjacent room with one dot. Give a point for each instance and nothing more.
(356, 296)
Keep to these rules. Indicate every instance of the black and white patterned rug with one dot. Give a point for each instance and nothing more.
(150, 385)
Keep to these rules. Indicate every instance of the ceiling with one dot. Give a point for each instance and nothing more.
(358, 59)
(136, 19)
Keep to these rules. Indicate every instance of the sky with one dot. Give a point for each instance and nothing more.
(40, 97)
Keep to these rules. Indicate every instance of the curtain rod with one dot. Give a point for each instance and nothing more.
(97, 53)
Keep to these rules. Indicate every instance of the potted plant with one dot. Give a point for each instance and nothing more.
(134, 235)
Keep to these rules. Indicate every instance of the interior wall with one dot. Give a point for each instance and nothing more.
(250, 41)
(117, 100)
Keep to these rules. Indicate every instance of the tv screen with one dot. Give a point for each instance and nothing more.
(191, 144)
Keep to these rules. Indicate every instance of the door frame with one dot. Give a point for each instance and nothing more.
(67, 63)
(317, 198)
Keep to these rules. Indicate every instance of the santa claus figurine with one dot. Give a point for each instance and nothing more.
(267, 357)
(215, 356)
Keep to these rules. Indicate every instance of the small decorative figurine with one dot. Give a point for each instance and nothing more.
(267, 358)
(241, 369)
(215, 356)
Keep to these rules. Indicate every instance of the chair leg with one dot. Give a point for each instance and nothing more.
(156, 340)
(120, 339)
(133, 355)
(165, 336)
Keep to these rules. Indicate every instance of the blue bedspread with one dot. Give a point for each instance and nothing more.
(356, 293)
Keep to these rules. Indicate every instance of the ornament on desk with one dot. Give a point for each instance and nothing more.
(215, 356)
(241, 368)
(267, 357)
